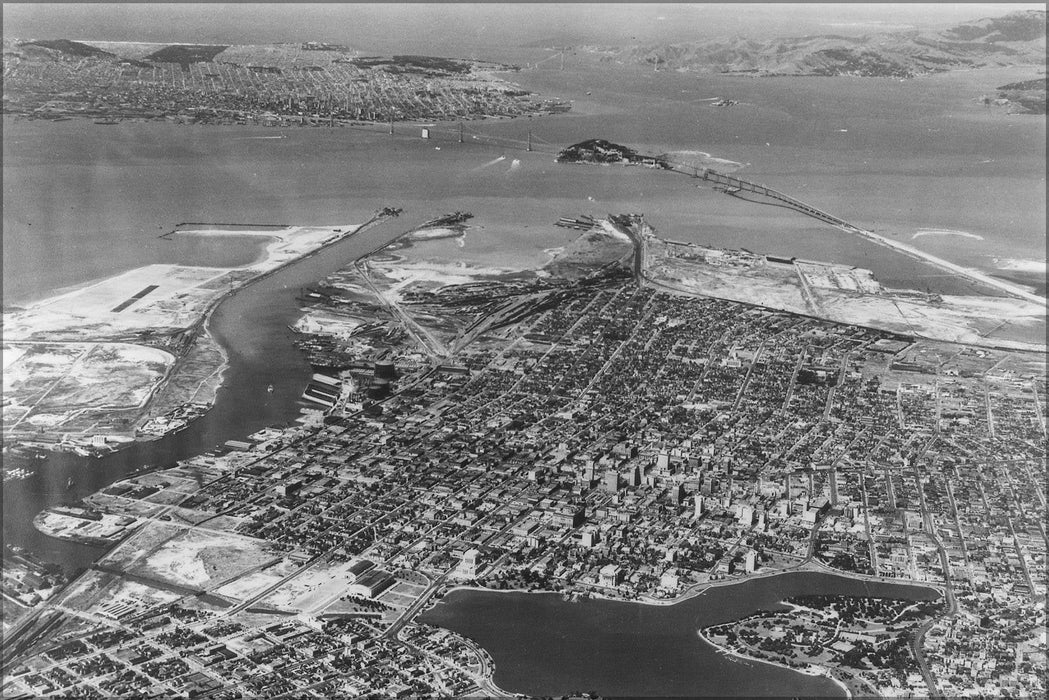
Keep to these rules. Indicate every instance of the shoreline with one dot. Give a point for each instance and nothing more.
(810, 670)
(267, 263)
(215, 380)
(972, 274)
(31, 300)
(698, 589)
(936, 333)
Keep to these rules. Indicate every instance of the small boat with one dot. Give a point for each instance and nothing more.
(269, 389)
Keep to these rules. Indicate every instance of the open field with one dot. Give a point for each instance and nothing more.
(151, 297)
(143, 301)
(844, 294)
(314, 590)
(248, 586)
(107, 527)
(49, 384)
(324, 321)
(91, 360)
(198, 558)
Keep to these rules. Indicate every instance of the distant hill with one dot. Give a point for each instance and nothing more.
(308, 83)
(1017, 38)
(65, 46)
(1025, 97)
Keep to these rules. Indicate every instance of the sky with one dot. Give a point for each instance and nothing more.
(463, 28)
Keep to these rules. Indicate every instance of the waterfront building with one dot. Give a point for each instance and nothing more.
(610, 576)
(470, 562)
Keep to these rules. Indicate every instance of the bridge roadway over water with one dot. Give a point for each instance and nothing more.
(734, 185)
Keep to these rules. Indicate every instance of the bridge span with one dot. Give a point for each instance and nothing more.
(733, 185)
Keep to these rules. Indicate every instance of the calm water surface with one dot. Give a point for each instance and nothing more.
(543, 645)
(83, 201)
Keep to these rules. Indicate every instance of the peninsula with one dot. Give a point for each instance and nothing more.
(130, 356)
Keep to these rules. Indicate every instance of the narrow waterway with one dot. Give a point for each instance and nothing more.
(252, 327)
(544, 645)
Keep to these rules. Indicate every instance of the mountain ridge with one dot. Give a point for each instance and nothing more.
(1012, 39)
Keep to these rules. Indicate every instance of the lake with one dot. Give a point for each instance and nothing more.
(544, 645)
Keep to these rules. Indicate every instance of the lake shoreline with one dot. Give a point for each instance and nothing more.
(524, 634)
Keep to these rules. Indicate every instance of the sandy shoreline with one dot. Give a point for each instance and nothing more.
(976, 275)
(161, 301)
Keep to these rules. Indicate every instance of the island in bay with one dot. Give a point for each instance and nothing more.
(611, 454)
